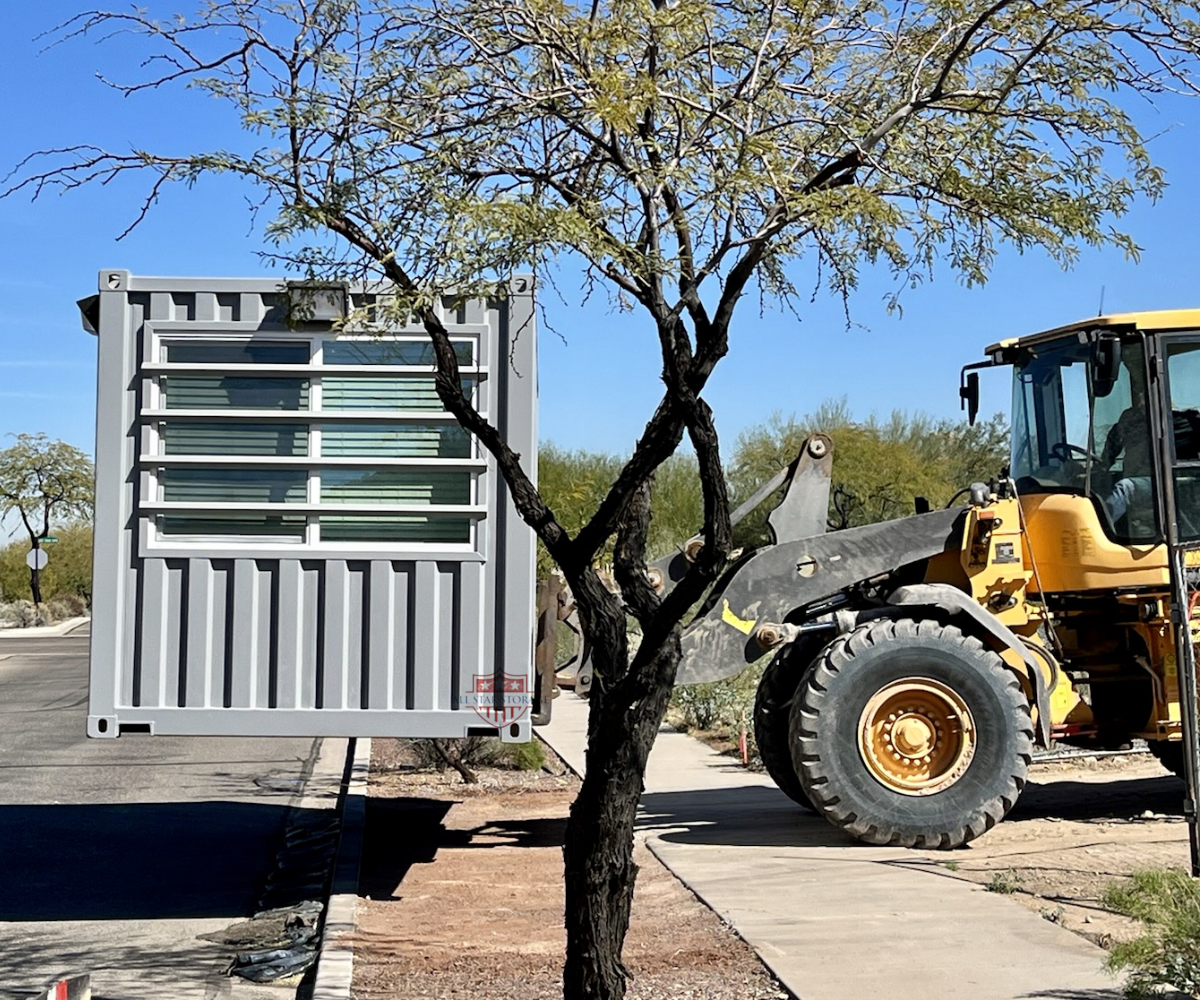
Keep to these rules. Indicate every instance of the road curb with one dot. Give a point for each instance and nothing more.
(49, 631)
(335, 965)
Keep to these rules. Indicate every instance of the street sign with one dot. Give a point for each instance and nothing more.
(48, 539)
(36, 559)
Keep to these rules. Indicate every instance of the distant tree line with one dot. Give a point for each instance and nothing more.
(879, 467)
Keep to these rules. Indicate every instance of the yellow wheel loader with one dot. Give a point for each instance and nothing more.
(918, 662)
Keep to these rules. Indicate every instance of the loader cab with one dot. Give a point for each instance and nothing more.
(1083, 424)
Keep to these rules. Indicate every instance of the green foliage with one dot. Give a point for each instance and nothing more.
(524, 756)
(573, 483)
(878, 466)
(42, 479)
(1006, 882)
(69, 571)
(721, 705)
(478, 752)
(1167, 954)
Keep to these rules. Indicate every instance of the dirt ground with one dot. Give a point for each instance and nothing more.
(1078, 826)
(461, 896)
(461, 892)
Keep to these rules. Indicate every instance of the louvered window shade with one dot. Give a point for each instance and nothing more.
(222, 476)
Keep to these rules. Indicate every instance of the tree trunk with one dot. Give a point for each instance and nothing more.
(600, 871)
(35, 585)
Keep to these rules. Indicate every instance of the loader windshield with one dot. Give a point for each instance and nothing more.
(1066, 438)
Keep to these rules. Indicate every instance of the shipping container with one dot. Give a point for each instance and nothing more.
(293, 537)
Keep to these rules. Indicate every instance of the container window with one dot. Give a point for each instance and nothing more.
(230, 523)
(391, 352)
(395, 441)
(234, 438)
(234, 485)
(394, 528)
(245, 352)
(414, 393)
(222, 392)
(398, 486)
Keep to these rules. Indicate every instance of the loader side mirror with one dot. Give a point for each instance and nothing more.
(1106, 366)
(968, 394)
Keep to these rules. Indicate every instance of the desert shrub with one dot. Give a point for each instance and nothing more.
(66, 606)
(523, 756)
(706, 706)
(720, 705)
(23, 614)
(1166, 901)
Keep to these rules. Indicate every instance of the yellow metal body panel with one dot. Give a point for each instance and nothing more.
(1066, 545)
(1155, 319)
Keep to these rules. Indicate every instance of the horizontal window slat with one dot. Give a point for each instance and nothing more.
(225, 439)
(253, 352)
(253, 485)
(414, 441)
(310, 462)
(212, 392)
(305, 370)
(421, 510)
(257, 525)
(353, 416)
(428, 486)
(391, 352)
(394, 529)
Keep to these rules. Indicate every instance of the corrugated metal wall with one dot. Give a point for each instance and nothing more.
(240, 637)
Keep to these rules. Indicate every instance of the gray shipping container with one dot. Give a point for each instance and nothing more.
(293, 538)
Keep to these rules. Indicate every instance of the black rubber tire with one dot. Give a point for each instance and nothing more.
(825, 744)
(1169, 754)
(772, 715)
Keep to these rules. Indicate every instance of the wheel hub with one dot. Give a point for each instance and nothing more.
(916, 736)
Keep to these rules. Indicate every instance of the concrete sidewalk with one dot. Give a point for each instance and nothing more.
(832, 918)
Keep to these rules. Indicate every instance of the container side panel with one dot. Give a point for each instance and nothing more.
(198, 648)
(172, 680)
(263, 689)
(403, 604)
(244, 647)
(312, 627)
(289, 611)
(357, 633)
(155, 619)
(449, 651)
(335, 651)
(471, 630)
(380, 629)
(424, 629)
(220, 642)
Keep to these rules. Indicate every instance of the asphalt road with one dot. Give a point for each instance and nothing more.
(116, 854)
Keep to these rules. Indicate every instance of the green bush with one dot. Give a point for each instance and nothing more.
(720, 705)
(707, 706)
(69, 571)
(1166, 901)
(523, 756)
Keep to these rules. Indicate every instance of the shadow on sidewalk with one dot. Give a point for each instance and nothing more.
(756, 816)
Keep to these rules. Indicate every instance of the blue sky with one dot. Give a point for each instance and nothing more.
(599, 380)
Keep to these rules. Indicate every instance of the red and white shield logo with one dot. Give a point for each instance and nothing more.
(503, 707)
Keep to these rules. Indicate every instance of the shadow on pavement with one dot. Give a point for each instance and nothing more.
(757, 816)
(402, 832)
(136, 860)
(1099, 800)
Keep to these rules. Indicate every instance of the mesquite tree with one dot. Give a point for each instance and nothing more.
(679, 154)
(42, 479)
